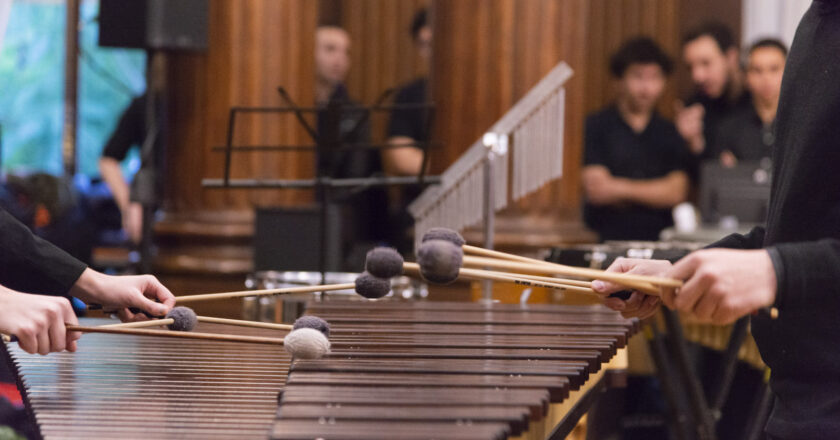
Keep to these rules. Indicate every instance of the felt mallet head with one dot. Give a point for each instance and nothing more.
(384, 262)
(372, 287)
(440, 261)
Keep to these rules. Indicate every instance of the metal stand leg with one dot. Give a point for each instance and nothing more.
(489, 216)
(729, 364)
(146, 240)
(678, 422)
(761, 410)
(703, 419)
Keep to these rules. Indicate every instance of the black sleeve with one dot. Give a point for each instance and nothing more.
(811, 269)
(406, 122)
(752, 240)
(723, 138)
(680, 155)
(33, 265)
(129, 131)
(593, 144)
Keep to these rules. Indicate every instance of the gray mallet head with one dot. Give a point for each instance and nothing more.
(444, 234)
(440, 261)
(372, 287)
(384, 262)
(184, 317)
(310, 321)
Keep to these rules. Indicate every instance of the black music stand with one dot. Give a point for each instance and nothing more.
(323, 143)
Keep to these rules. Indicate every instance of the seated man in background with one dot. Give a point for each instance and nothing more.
(408, 127)
(634, 161)
(341, 123)
(747, 134)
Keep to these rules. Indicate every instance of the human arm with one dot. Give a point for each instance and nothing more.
(404, 161)
(131, 212)
(602, 188)
(689, 123)
(31, 264)
(730, 265)
(639, 304)
(38, 321)
(124, 292)
(662, 192)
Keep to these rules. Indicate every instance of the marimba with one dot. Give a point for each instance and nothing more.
(132, 387)
(398, 370)
(435, 370)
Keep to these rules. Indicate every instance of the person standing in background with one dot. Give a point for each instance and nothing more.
(747, 134)
(712, 58)
(634, 160)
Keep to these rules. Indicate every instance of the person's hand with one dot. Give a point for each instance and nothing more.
(722, 285)
(601, 187)
(132, 221)
(728, 159)
(123, 292)
(639, 305)
(37, 321)
(689, 122)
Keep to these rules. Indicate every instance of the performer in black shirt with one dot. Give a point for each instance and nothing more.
(711, 55)
(409, 126)
(634, 160)
(130, 132)
(793, 264)
(49, 276)
(341, 124)
(747, 134)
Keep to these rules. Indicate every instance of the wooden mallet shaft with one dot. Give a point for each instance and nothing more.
(477, 274)
(167, 321)
(244, 323)
(140, 324)
(176, 334)
(642, 283)
(522, 269)
(243, 293)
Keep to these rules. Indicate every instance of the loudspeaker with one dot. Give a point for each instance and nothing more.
(289, 239)
(154, 24)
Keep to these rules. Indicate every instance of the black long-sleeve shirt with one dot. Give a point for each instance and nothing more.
(802, 346)
(32, 265)
(655, 152)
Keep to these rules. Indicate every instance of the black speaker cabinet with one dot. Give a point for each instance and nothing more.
(290, 238)
(154, 24)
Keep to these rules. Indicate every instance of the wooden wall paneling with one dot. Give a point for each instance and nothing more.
(472, 71)
(383, 54)
(694, 12)
(539, 34)
(255, 45)
(558, 198)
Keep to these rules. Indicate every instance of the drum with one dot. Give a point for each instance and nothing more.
(287, 308)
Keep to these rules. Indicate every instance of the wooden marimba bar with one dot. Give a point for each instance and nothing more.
(435, 370)
(132, 387)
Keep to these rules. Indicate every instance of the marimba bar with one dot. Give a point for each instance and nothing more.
(426, 370)
(398, 370)
(133, 387)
